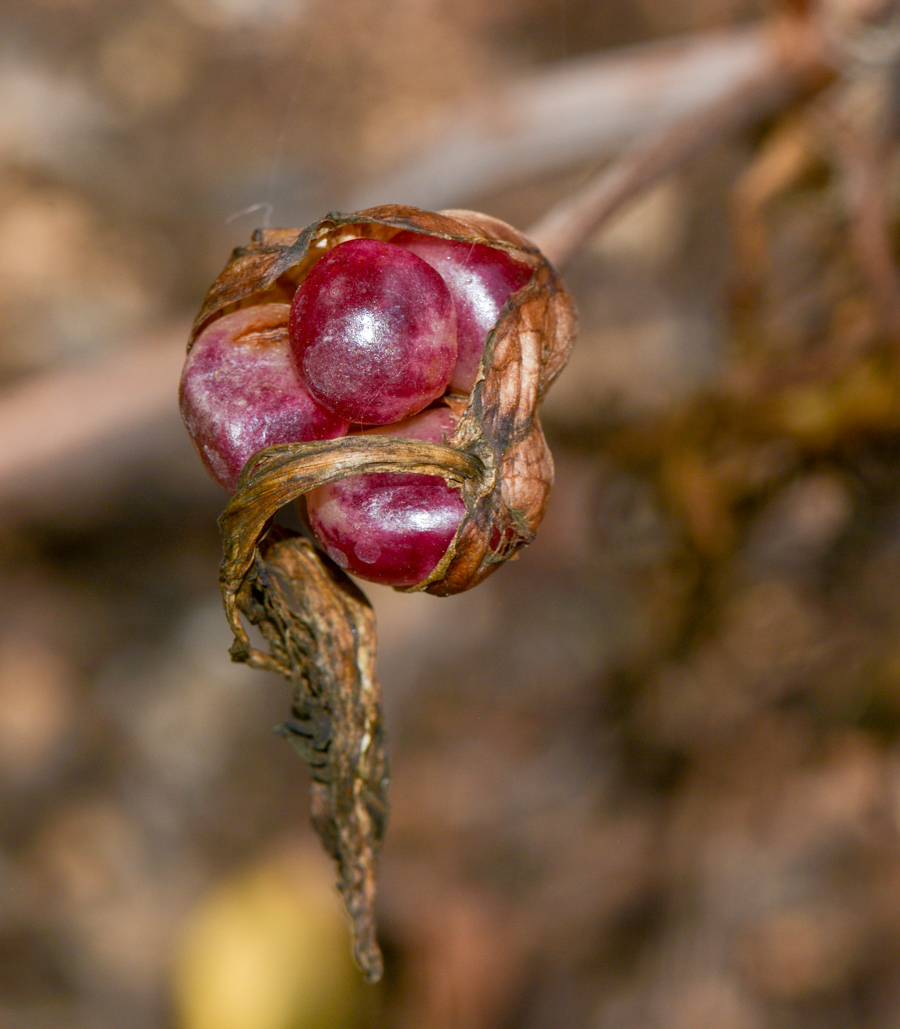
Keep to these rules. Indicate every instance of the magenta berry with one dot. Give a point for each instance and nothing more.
(240, 392)
(390, 528)
(480, 279)
(373, 332)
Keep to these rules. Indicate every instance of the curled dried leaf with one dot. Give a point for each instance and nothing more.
(321, 632)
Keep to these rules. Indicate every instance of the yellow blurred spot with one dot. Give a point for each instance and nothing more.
(270, 950)
(865, 399)
(693, 488)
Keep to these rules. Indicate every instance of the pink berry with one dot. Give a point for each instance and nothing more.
(480, 279)
(373, 332)
(240, 392)
(390, 528)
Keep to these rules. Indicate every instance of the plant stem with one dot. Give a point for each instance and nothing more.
(785, 75)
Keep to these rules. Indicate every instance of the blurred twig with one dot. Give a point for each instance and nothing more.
(865, 163)
(780, 74)
(573, 111)
(78, 414)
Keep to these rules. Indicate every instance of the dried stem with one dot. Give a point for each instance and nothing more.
(865, 163)
(321, 632)
(574, 110)
(565, 229)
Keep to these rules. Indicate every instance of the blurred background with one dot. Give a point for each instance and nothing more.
(646, 777)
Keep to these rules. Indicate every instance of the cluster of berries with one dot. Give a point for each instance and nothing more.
(377, 334)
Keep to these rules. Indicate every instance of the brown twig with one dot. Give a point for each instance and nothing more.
(779, 77)
(573, 111)
(84, 416)
(865, 164)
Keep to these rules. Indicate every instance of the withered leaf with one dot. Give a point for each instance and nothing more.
(321, 633)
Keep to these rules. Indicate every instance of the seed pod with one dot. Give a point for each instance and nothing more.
(497, 458)
(506, 469)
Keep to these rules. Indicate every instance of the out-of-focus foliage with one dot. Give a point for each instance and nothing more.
(268, 950)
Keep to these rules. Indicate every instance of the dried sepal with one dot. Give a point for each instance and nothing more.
(321, 631)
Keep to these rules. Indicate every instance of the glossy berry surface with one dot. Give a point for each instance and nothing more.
(481, 280)
(373, 332)
(240, 392)
(390, 528)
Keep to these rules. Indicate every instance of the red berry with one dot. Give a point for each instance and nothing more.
(391, 528)
(240, 392)
(373, 332)
(480, 279)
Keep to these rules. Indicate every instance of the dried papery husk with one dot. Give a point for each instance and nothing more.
(318, 626)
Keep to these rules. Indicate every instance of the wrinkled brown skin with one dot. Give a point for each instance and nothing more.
(319, 626)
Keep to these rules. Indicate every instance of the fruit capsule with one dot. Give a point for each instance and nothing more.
(496, 461)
